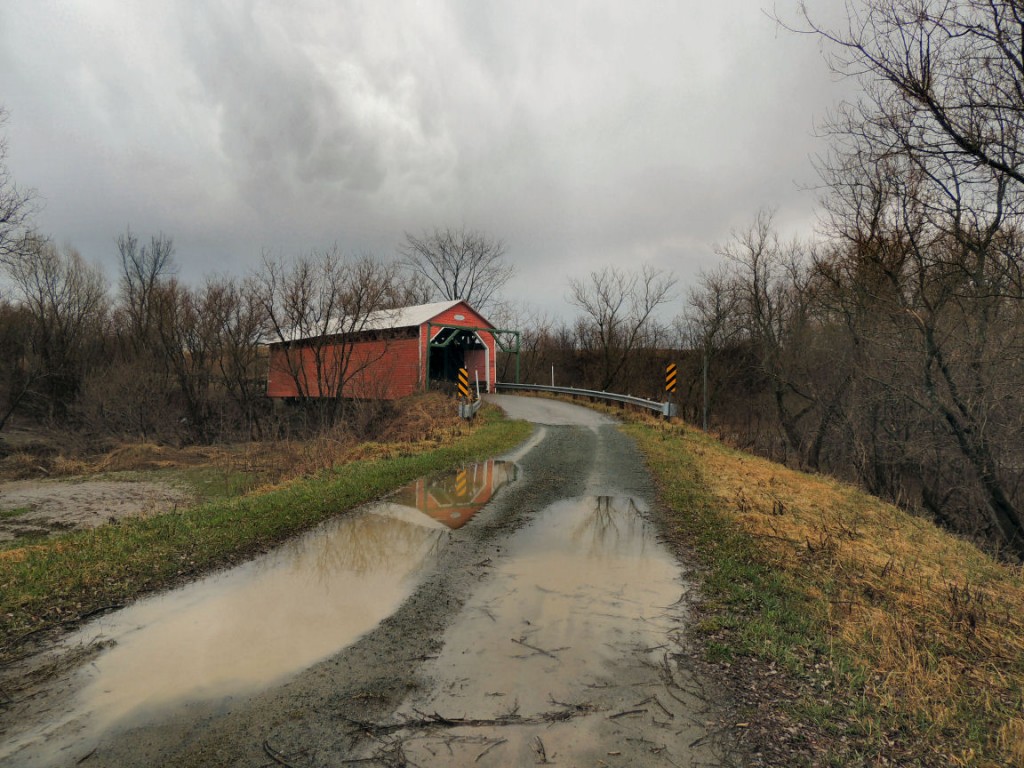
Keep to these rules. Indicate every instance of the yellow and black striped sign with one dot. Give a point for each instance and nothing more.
(670, 377)
(461, 483)
(463, 382)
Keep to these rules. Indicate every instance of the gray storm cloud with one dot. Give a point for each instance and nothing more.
(582, 134)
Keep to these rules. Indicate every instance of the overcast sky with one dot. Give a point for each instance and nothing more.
(583, 134)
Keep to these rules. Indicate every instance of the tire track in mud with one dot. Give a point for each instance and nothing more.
(325, 714)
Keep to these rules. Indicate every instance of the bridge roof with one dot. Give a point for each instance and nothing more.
(407, 317)
(384, 320)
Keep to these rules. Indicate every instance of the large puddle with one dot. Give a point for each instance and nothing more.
(243, 630)
(572, 624)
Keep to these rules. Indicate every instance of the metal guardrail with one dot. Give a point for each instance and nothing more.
(468, 410)
(665, 409)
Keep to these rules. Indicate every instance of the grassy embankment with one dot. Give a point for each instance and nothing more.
(52, 582)
(899, 643)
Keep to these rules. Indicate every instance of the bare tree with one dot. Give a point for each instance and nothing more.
(238, 316)
(186, 324)
(935, 306)
(949, 73)
(711, 322)
(144, 268)
(66, 300)
(761, 268)
(520, 354)
(617, 318)
(16, 208)
(459, 264)
(778, 311)
(313, 308)
(18, 374)
(927, 202)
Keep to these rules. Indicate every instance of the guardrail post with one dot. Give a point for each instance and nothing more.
(467, 410)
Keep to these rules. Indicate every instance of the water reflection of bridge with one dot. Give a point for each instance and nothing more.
(454, 499)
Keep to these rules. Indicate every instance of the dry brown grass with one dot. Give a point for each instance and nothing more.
(20, 465)
(425, 420)
(937, 624)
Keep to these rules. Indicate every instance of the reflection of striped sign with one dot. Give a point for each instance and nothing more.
(463, 382)
(461, 483)
(670, 377)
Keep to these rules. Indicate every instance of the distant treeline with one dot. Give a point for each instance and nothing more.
(157, 359)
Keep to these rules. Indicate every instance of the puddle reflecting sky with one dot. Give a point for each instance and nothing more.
(584, 594)
(588, 575)
(245, 629)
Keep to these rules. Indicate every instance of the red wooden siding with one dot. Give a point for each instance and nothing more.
(297, 362)
(384, 370)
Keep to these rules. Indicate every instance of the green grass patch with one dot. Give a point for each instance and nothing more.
(211, 483)
(10, 514)
(208, 483)
(46, 584)
(751, 609)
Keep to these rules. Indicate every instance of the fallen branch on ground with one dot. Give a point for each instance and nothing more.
(497, 743)
(534, 648)
(437, 721)
(276, 756)
(627, 713)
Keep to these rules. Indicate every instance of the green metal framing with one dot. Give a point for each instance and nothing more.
(496, 334)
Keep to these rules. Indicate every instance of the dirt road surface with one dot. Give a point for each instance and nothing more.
(549, 629)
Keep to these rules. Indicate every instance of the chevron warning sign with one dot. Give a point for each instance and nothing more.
(464, 382)
(670, 377)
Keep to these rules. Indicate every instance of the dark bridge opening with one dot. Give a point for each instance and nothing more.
(448, 353)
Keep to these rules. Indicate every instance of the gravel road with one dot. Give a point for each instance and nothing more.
(547, 630)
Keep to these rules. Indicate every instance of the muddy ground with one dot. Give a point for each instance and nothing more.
(42, 495)
(467, 671)
(32, 508)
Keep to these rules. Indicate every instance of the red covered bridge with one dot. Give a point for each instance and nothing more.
(393, 353)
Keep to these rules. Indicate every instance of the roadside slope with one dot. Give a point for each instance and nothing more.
(852, 632)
